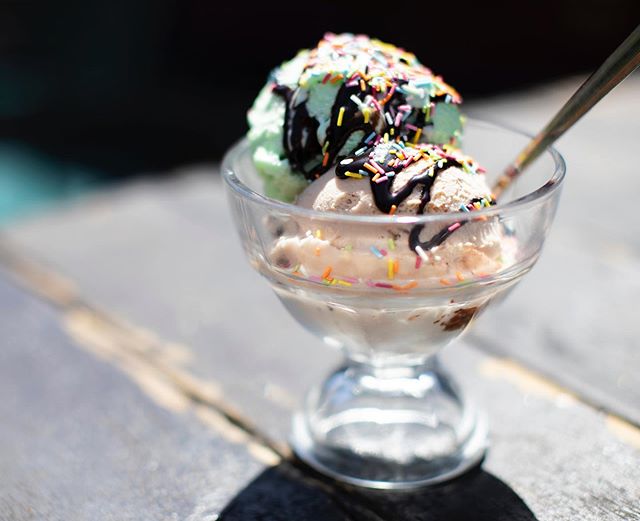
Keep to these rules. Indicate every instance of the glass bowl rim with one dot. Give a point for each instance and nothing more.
(526, 201)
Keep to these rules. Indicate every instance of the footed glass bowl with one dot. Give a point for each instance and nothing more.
(390, 417)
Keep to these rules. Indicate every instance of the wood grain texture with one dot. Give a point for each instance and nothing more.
(79, 440)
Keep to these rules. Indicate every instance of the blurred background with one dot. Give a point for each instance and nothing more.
(94, 92)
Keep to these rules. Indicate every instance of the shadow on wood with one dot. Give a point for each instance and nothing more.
(286, 493)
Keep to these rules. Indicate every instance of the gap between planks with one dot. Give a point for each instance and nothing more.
(153, 365)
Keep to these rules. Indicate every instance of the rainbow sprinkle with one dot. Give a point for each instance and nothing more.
(405, 287)
(422, 253)
(370, 137)
(390, 270)
(371, 169)
(376, 252)
(376, 166)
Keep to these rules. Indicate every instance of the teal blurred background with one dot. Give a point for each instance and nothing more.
(31, 180)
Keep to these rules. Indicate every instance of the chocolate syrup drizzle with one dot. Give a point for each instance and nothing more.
(300, 138)
(385, 197)
(306, 154)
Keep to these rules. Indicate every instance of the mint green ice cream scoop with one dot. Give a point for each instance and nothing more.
(340, 99)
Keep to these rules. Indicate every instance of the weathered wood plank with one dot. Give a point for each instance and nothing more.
(78, 440)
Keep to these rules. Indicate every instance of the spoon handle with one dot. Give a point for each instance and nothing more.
(616, 68)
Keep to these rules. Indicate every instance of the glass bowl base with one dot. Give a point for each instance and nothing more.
(377, 473)
(369, 432)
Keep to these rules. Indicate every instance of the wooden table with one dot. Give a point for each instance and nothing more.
(131, 388)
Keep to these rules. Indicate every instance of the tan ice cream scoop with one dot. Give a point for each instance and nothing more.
(366, 251)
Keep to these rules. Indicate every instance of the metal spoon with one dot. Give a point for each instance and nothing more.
(622, 62)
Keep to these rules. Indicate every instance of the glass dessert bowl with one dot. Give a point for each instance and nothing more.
(391, 417)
